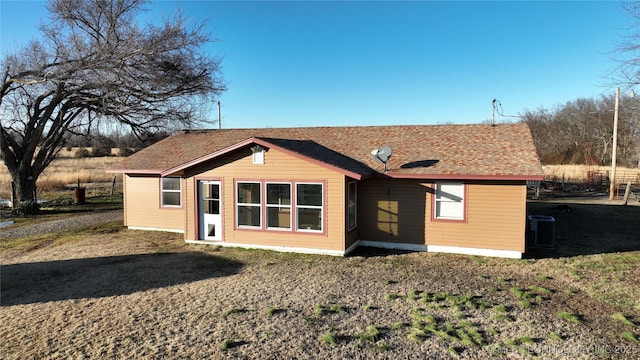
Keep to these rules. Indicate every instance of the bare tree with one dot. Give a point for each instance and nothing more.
(581, 132)
(96, 66)
(627, 51)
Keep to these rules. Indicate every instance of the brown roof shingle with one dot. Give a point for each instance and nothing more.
(426, 151)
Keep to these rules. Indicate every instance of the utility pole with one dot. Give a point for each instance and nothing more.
(219, 118)
(612, 178)
(493, 112)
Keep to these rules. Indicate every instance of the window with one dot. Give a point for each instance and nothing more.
(258, 155)
(282, 206)
(249, 205)
(278, 206)
(309, 207)
(171, 192)
(352, 196)
(211, 198)
(449, 201)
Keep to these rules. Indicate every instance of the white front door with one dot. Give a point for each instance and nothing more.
(210, 207)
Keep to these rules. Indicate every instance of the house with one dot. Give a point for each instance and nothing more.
(446, 188)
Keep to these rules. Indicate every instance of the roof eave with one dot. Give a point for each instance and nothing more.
(466, 177)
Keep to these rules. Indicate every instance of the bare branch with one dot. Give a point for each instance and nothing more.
(96, 60)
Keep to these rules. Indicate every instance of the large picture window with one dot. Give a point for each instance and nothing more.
(309, 207)
(249, 204)
(171, 192)
(278, 206)
(352, 201)
(449, 201)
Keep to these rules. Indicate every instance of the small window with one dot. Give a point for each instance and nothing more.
(278, 206)
(211, 198)
(309, 207)
(249, 205)
(352, 198)
(171, 192)
(258, 155)
(449, 201)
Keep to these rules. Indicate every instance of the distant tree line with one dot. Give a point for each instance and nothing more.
(101, 144)
(581, 132)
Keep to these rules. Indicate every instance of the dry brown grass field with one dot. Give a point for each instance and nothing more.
(579, 173)
(65, 172)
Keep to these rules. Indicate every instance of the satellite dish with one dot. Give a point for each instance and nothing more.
(382, 156)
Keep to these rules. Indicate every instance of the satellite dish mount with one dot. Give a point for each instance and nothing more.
(382, 156)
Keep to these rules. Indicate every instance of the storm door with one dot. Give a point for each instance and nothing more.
(210, 210)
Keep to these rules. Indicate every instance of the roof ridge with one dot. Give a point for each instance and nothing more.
(210, 130)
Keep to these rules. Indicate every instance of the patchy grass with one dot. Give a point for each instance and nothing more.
(231, 311)
(328, 338)
(391, 296)
(628, 335)
(556, 336)
(271, 311)
(335, 307)
(573, 318)
(623, 319)
(371, 333)
(611, 274)
(226, 344)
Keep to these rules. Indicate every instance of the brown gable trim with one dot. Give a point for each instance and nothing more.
(316, 158)
(210, 156)
(464, 177)
(264, 143)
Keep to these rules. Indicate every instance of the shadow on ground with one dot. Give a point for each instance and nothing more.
(370, 252)
(29, 283)
(586, 229)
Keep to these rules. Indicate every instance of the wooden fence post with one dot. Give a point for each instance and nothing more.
(627, 191)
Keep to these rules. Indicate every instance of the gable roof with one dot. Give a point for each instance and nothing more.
(478, 151)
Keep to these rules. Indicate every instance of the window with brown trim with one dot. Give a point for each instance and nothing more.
(249, 205)
(309, 207)
(278, 205)
(449, 200)
(297, 206)
(171, 191)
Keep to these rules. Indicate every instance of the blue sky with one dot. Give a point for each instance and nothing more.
(314, 63)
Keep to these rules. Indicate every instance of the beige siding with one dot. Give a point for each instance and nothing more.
(495, 219)
(392, 210)
(278, 166)
(399, 211)
(142, 199)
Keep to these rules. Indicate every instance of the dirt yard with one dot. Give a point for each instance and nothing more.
(105, 292)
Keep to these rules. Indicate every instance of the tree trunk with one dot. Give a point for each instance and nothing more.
(25, 188)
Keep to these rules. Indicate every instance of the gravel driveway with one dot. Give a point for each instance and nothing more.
(73, 222)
